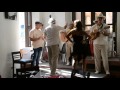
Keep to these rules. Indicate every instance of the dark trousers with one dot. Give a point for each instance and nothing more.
(36, 57)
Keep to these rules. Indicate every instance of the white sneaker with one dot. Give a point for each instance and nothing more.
(67, 64)
(107, 72)
(97, 72)
(40, 62)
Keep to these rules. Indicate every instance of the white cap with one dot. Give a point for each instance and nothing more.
(51, 21)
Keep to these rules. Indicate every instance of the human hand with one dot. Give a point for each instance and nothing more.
(104, 32)
(95, 31)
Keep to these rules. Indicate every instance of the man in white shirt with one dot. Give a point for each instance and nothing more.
(36, 36)
(101, 44)
(51, 34)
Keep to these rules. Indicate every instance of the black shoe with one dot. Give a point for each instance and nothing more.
(88, 75)
(107, 75)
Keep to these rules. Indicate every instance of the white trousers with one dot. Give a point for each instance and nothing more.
(69, 50)
(101, 51)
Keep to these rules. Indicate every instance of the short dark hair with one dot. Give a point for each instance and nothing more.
(37, 22)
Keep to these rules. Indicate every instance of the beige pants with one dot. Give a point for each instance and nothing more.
(101, 51)
(53, 54)
(69, 49)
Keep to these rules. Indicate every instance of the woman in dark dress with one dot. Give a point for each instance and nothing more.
(79, 48)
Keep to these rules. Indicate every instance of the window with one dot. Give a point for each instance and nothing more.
(25, 25)
(97, 13)
(87, 18)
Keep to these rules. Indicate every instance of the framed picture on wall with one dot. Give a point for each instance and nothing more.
(10, 15)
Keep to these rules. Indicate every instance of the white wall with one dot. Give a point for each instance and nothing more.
(9, 39)
(35, 17)
(59, 16)
(118, 33)
(44, 16)
(68, 17)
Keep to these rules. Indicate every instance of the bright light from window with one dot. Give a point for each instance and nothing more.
(21, 18)
(87, 18)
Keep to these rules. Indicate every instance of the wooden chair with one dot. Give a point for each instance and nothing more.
(17, 59)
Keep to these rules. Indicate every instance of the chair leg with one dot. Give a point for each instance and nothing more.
(24, 65)
(13, 71)
(31, 64)
(21, 67)
(16, 73)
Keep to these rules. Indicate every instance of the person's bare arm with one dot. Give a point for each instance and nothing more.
(68, 37)
(34, 39)
(63, 34)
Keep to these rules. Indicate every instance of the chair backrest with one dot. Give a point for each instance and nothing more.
(16, 55)
(26, 53)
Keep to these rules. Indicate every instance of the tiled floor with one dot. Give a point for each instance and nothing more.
(62, 70)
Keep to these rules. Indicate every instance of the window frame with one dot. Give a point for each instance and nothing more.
(28, 27)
